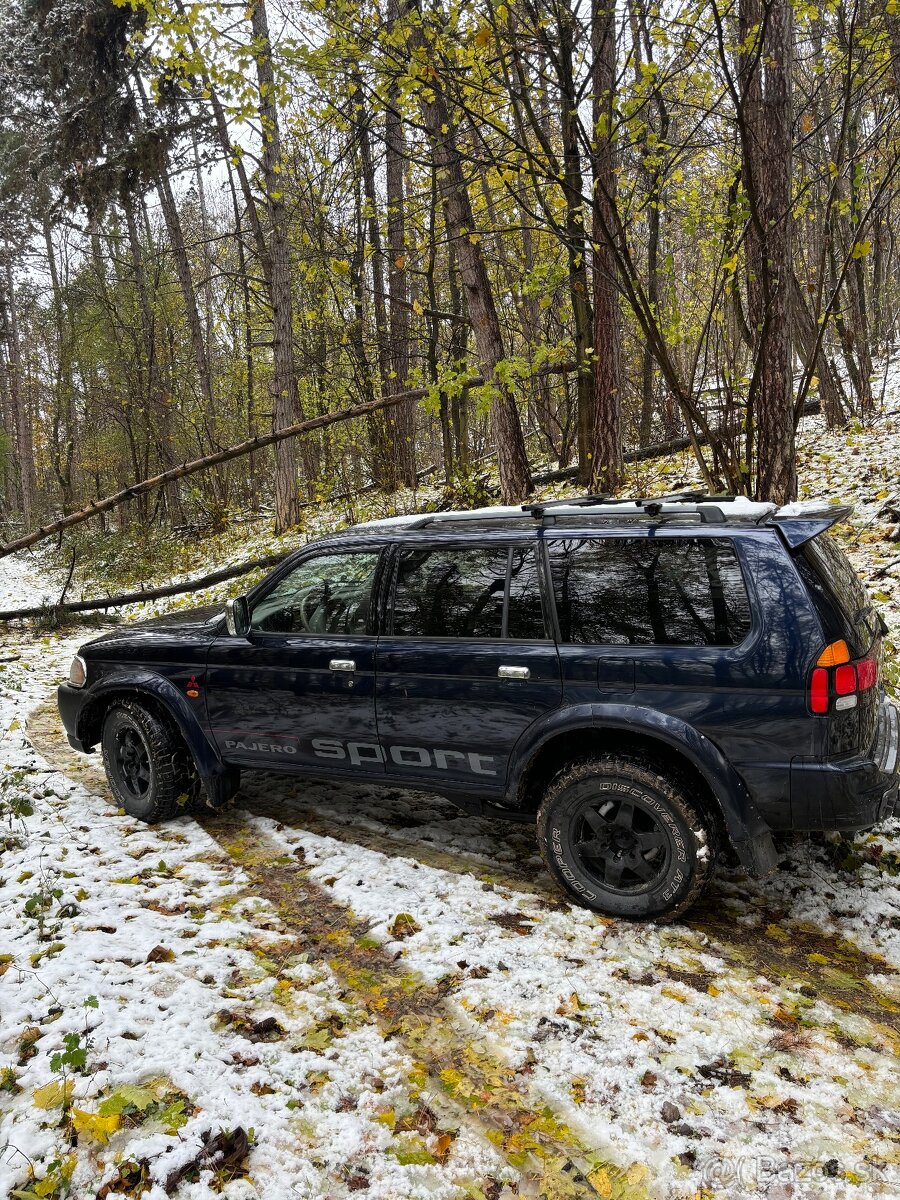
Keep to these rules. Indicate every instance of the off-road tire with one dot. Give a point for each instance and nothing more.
(684, 837)
(172, 786)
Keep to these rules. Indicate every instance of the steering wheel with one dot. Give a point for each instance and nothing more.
(307, 608)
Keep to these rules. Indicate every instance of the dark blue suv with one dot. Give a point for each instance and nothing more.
(651, 680)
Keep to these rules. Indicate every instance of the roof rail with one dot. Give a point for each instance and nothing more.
(651, 504)
(707, 508)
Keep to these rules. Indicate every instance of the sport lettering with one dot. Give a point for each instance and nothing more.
(361, 754)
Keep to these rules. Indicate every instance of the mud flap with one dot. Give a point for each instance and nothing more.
(221, 787)
(757, 854)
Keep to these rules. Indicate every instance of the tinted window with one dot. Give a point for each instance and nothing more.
(328, 594)
(645, 591)
(458, 592)
(525, 618)
(837, 593)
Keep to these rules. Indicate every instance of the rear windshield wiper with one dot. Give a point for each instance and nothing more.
(876, 626)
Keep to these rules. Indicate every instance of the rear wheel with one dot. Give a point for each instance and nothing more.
(147, 763)
(625, 841)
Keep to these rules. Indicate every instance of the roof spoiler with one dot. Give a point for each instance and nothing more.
(800, 523)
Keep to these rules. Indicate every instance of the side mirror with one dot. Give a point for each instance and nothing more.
(237, 616)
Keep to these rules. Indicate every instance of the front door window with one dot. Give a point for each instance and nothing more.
(328, 596)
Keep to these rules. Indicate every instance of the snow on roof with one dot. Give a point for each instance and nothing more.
(740, 507)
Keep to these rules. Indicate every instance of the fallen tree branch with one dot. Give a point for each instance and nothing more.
(155, 593)
(231, 452)
(656, 450)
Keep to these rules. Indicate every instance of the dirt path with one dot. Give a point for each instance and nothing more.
(824, 965)
(499, 1102)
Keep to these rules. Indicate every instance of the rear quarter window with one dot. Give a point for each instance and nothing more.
(649, 591)
(837, 593)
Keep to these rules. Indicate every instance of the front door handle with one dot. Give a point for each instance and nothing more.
(513, 673)
(342, 664)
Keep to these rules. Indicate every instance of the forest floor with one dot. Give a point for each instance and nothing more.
(388, 997)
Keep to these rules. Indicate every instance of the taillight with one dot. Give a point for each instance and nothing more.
(834, 675)
(818, 691)
(833, 654)
(845, 680)
(867, 673)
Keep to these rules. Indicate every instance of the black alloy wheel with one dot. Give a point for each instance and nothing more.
(621, 844)
(626, 838)
(148, 766)
(132, 761)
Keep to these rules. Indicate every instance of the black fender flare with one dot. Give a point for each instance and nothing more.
(216, 776)
(748, 832)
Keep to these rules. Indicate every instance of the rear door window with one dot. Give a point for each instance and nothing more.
(649, 591)
(489, 592)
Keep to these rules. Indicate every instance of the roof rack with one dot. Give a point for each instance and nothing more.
(651, 505)
(797, 522)
(706, 508)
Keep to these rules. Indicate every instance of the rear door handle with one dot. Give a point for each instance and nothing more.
(513, 673)
(342, 664)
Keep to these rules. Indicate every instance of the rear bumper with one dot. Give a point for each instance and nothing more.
(850, 793)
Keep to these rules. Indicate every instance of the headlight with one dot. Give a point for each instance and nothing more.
(78, 671)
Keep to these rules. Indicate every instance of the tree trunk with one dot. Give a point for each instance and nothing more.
(459, 340)
(653, 176)
(401, 421)
(62, 451)
(606, 440)
(829, 382)
(576, 242)
(765, 116)
(157, 403)
(284, 383)
(21, 411)
(515, 476)
(385, 452)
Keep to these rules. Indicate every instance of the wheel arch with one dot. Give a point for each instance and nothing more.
(665, 740)
(162, 697)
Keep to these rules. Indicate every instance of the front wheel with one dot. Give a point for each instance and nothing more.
(624, 840)
(147, 763)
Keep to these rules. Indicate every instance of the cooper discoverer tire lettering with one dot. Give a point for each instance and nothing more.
(148, 766)
(624, 840)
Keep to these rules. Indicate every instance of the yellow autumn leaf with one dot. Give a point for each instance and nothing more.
(636, 1173)
(442, 1145)
(93, 1126)
(601, 1182)
(53, 1094)
(673, 994)
(482, 37)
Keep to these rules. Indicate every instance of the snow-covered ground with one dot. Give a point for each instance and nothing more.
(387, 996)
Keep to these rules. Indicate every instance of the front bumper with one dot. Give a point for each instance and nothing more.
(848, 794)
(70, 701)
